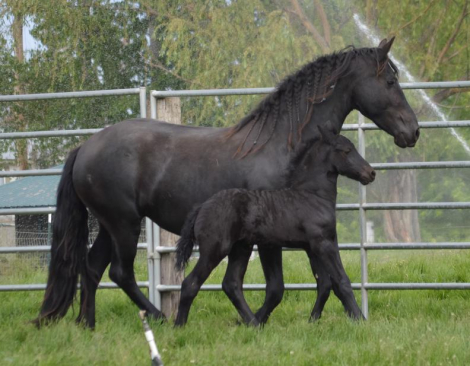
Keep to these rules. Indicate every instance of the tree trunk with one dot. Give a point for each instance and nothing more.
(169, 110)
(402, 226)
(21, 144)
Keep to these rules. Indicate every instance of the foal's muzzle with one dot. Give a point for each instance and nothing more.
(367, 176)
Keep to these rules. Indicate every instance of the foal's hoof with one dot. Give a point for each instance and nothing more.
(253, 323)
(357, 317)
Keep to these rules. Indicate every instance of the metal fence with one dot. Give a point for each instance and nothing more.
(362, 206)
(142, 94)
(154, 250)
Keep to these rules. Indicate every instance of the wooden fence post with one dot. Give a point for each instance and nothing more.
(169, 110)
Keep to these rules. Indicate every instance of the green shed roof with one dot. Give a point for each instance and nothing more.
(30, 192)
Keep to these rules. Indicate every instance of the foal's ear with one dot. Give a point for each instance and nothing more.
(384, 48)
(327, 132)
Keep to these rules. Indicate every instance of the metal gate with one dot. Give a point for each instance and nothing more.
(155, 251)
(362, 206)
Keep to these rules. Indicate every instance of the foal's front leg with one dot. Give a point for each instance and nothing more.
(324, 285)
(328, 253)
(271, 260)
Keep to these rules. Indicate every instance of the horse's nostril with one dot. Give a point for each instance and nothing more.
(417, 133)
(372, 173)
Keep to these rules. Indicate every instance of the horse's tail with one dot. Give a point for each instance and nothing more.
(184, 246)
(69, 248)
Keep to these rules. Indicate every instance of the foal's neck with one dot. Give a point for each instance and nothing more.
(319, 182)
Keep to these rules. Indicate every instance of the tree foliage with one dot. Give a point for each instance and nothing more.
(107, 44)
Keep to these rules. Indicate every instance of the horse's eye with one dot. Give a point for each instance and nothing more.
(390, 82)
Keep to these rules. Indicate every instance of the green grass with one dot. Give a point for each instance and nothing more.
(405, 328)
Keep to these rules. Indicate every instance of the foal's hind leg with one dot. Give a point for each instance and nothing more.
(125, 235)
(192, 284)
(271, 260)
(323, 286)
(233, 281)
(99, 257)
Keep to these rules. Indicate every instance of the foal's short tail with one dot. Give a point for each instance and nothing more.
(184, 247)
(69, 248)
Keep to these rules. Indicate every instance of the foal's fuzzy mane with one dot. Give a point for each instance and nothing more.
(319, 76)
(300, 154)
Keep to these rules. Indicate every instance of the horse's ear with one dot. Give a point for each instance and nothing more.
(384, 48)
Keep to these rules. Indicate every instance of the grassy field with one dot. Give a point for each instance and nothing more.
(405, 327)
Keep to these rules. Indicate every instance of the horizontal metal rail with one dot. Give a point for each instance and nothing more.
(421, 165)
(42, 286)
(91, 131)
(68, 95)
(345, 246)
(27, 211)
(377, 166)
(355, 286)
(30, 173)
(252, 91)
(41, 248)
(356, 246)
(424, 125)
(56, 133)
(339, 207)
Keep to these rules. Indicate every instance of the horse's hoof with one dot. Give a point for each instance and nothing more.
(82, 322)
(158, 317)
(314, 318)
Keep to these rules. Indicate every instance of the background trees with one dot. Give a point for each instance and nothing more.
(105, 44)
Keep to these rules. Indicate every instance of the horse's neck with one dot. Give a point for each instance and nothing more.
(276, 156)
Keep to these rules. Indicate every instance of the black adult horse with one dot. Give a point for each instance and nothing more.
(147, 168)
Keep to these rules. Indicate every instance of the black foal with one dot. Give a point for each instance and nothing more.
(302, 216)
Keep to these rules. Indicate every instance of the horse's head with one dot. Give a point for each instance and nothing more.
(344, 158)
(378, 96)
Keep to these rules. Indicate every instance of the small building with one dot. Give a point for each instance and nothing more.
(29, 192)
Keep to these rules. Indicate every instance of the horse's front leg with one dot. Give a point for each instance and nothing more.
(271, 260)
(328, 253)
(233, 281)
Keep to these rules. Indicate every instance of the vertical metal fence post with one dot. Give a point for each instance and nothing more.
(154, 242)
(362, 222)
(152, 267)
(143, 101)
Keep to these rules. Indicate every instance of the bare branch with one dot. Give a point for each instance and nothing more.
(417, 17)
(159, 65)
(446, 93)
(309, 26)
(324, 22)
(453, 35)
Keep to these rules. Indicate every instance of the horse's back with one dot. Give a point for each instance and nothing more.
(119, 166)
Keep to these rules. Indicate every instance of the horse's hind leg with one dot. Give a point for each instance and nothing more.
(125, 235)
(233, 281)
(271, 260)
(323, 286)
(99, 257)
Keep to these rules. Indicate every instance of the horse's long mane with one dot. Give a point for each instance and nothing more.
(312, 84)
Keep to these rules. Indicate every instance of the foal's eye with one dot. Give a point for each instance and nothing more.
(390, 82)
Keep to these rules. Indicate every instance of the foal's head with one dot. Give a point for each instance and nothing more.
(341, 157)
